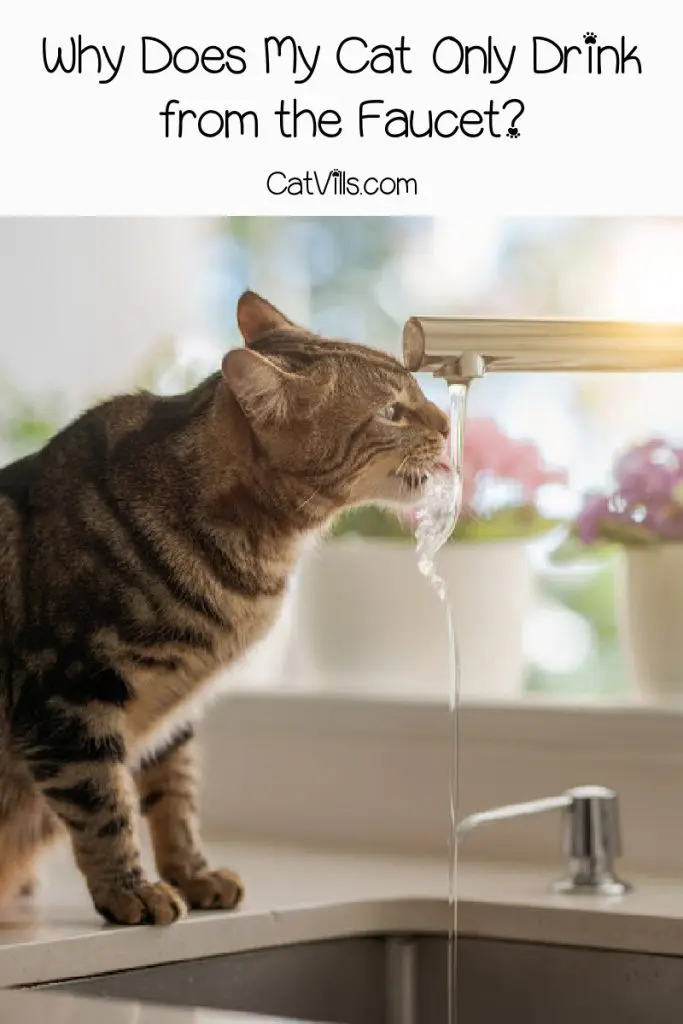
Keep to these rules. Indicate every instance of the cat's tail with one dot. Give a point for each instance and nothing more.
(27, 826)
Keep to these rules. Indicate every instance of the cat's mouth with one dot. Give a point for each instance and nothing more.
(412, 480)
(415, 479)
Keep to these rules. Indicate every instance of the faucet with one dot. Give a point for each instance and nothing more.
(591, 836)
(460, 349)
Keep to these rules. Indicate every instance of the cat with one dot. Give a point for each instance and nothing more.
(146, 547)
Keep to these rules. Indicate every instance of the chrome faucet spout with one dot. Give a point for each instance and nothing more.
(591, 834)
(460, 349)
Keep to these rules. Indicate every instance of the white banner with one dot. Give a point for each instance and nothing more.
(167, 107)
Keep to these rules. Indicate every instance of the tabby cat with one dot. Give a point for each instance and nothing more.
(146, 547)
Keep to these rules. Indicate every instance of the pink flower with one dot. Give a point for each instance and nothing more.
(491, 454)
(484, 445)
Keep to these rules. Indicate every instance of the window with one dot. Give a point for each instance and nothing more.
(151, 301)
(362, 278)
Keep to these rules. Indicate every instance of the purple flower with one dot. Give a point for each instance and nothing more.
(591, 516)
(652, 481)
(645, 503)
(652, 468)
(638, 457)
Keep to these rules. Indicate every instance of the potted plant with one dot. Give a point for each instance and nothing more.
(365, 610)
(643, 515)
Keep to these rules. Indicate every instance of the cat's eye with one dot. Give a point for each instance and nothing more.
(391, 412)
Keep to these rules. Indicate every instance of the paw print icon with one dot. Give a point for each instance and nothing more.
(590, 37)
(513, 133)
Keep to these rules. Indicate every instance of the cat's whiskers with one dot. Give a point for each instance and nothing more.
(310, 497)
(404, 487)
(402, 464)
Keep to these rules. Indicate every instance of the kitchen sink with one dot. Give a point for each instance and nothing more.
(402, 980)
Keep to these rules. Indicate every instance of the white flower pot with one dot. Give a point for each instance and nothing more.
(367, 619)
(651, 618)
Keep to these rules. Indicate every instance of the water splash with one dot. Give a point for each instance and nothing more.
(436, 519)
(441, 503)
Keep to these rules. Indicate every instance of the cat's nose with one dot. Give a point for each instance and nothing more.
(436, 419)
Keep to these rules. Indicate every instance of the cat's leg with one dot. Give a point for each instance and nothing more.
(168, 798)
(77, 757)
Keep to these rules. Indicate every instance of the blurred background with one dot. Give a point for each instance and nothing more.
(93, 306)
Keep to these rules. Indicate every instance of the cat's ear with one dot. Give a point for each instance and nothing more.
(255, 317)
(263, 390)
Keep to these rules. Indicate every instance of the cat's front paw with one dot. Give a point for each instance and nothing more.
(143, 903)
(221, 889)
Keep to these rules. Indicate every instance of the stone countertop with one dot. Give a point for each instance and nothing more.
(300, 895)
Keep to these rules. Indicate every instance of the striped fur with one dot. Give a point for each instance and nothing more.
(146, 547)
